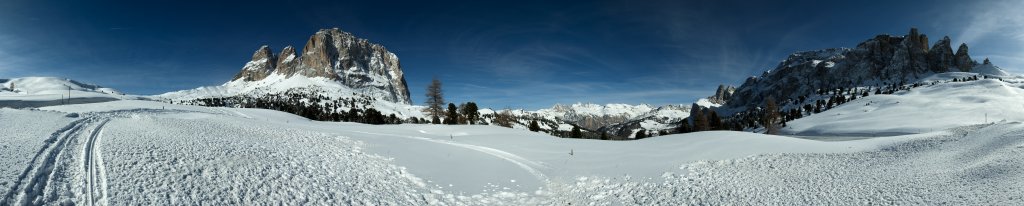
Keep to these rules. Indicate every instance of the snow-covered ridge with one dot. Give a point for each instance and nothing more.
(50, 85)
(590, 109)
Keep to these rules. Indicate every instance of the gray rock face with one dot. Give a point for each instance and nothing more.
(963, 60)
(940, 57)
(339, 56)
(261, 65)
(880, 60)
(722, 95)
(287, 61)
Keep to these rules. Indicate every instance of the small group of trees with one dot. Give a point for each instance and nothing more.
(465, 113)
(703, 119)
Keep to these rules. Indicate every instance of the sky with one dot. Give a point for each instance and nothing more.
(500, 54)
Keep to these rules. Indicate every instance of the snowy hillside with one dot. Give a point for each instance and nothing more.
(46, 91)
(49, 85)
(144, 152)
(923, 109)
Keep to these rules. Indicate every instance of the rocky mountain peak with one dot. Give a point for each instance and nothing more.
(287, 61)
(963, 60)
(941, 55)
(723, 94)
(262, 64)
(339, 56)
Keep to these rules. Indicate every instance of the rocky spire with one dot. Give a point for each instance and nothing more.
(722, 94)
(287, 61)
(261, 65)
(963, 60)
(940, 57)
(918, 41)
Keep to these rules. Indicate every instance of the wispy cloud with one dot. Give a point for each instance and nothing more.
(999, 27)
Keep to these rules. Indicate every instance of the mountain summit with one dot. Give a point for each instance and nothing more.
(338, 56)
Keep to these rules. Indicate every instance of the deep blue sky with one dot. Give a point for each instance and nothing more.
(515, 54)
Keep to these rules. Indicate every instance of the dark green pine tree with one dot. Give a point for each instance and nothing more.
(453, 115)
(471, 112)
(604, 135)
(576, 133)
(534, 127)
(640, 134)
(715, 122)
(700, 121)
(684, 126)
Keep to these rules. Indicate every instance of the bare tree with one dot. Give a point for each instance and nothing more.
(435, 99)
(504, 118)
(771, 116)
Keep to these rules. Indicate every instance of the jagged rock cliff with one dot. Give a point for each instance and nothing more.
(884, 59)
(722, 95)
(335, 55)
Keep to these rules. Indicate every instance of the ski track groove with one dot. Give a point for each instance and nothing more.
(30, 188)
(92, 164)
(523, 163)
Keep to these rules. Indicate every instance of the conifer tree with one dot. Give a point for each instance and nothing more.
(453, 115)
(534, 126)
(715, 122)
(700, 121)
(640, 134)
(771, 116)
(471, 112)
(576, 133)
(604, 135)
(684, 126)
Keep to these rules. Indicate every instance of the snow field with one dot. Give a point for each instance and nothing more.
(972, 165)
(154, 153)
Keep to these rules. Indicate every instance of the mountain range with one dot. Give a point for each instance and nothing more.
(336, 65)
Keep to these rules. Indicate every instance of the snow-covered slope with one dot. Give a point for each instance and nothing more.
(141, 152)
(49, 85)
(46, 91)
(922, 109)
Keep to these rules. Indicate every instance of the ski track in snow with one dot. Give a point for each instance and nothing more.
(93, 166)
(524, 163)
(34, 181)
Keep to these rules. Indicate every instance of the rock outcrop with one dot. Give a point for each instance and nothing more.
(335, 55)
(262, 64)
(963, 60)
(722, 95)
(884, 59)
(940, 57)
